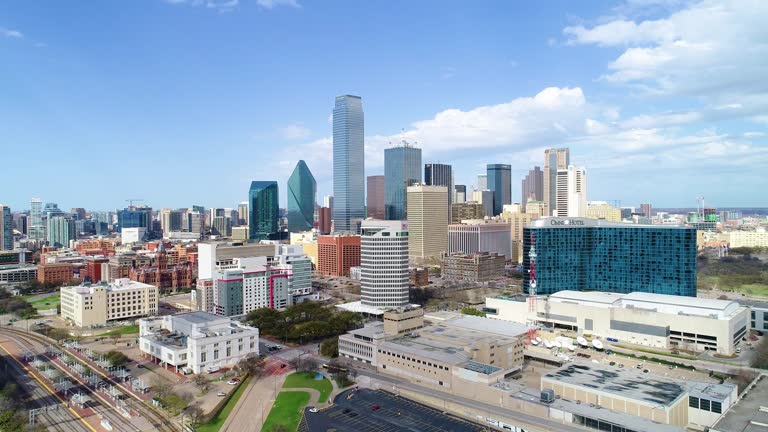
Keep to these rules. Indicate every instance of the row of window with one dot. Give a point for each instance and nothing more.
(404, 357)
(705, 404)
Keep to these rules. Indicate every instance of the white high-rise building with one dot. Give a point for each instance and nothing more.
(36, 227)
(384, 263)
(577, 191)
(482, 182)
(427, 221)
(480, 235)
(561, 201)
(299, 267)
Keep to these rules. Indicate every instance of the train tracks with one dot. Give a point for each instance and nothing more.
(157, 422)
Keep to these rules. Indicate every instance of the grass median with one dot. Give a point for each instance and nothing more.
(287, 410)
(307, 380)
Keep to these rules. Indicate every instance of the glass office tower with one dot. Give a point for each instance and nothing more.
(402, 168)
(594, 255)
(134, 217)
(436, 174)
(302, 196)
(500, 183)
(6, 230)
(265, 212)
(348, 164)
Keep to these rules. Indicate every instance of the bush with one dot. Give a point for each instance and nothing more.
(116, 358)
(472, 311)
(330, 347)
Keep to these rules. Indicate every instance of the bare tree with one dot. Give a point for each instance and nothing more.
(161, 387)
(195, 413)
(252, 365)
(202, 383)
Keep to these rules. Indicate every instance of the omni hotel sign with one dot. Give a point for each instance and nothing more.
(566, 222)
(569, 222)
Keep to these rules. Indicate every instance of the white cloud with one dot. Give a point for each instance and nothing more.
(10, 33)
(220, 5)
(448, 72)
(269, 4)
(718, 49)
(295, 131)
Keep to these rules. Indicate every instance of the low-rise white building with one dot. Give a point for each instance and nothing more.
(654, 320)
(90, 305)
(198, 340)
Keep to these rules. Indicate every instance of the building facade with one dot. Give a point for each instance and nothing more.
(348, 164)
(376, 207)
(436, 174)
(36, 227)
(56, 273)
(602, 210)
(467, 210)
(199, 341)
(265, 212)
(384, 263)
(460, 194)
(480, 267)
(593, 255)
(336, 254)
(533, 186)
(555, 159)
(500, 183)
(480, 235)
(484, 197)
(90, 305)
(402, 168)
(427, 221)
(61, 229)
(302, 198)
(6, 228)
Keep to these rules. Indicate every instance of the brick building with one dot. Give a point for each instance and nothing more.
(55, 273)
(479, 267)
(336, 254)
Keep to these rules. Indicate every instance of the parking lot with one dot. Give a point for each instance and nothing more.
(378, 411)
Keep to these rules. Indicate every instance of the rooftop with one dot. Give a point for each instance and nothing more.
(428, 348)
(198, 317)
(486, 325)
(628, 383)
(597, 297)
(747, 415)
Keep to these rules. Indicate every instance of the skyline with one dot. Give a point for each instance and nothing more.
(661, 102)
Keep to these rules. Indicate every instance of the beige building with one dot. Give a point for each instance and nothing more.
(451, 347)
(308, 241)
(751, 239)
(602, 210)
(480, 235)
(646, 319)
(517, 222)
(427, 221)
(240, 233)
(93, 305)
(480, 267)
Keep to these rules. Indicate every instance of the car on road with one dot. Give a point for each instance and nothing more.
(621, 365)
(221, 394)
(738, 350)
(645, 370)
(375, 408)
(612, 363)
(282, 366)
(639, 366)
(140, 366)
(312, 409)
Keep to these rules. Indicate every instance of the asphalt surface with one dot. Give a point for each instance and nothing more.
(355, 411)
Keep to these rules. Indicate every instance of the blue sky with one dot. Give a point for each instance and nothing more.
(183, 102)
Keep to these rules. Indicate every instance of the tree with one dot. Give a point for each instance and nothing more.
(252, 365)
(202, 383)
(330, 347)
(116, 358)
(472, 311)
(194, 413)
(161, 387)
(760, 359)
(58, 334)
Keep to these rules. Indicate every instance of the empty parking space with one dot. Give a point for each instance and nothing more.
(378, 411)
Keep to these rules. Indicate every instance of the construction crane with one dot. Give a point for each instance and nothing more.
(132, 200)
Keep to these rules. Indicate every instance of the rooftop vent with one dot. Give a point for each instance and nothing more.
(547, 396)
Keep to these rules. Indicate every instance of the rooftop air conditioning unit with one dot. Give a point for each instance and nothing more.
(547, 396)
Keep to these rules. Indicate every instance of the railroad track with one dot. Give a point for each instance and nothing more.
(158, 421)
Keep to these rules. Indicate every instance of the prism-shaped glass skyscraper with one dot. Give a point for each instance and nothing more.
(302, 196)
(348, 164)
(263, 204)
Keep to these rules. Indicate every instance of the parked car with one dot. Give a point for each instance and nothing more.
(312, 409)
(738, 350)
(282, 366)
(221, 394)
(232, 382)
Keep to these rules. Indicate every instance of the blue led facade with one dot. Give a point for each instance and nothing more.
(590, 255)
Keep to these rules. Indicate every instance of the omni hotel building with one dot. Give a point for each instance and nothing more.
(583, 254)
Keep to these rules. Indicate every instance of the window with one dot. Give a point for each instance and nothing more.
(203, 357)
(215, 354)
(717, 407)
(693, 402)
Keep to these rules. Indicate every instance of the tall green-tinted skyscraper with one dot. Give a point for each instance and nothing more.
(61, 229)
(265, 212)
(6, 232)
(402, 168)
(302, 196)
(348, 164)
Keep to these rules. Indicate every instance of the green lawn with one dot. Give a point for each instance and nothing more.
(126, 330)
(218, 420)
(286, 410)
(45, 303)
(307, 380)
